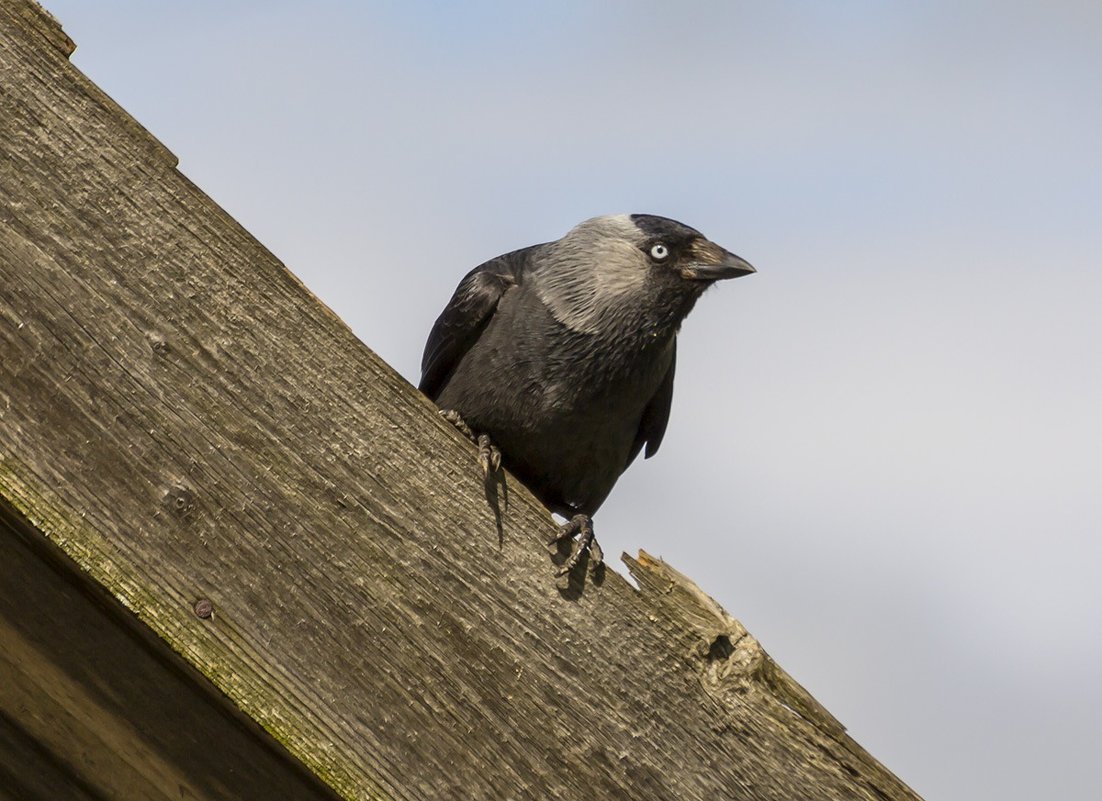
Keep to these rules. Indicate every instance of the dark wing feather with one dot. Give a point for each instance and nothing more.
(652, 426)
(466, 315)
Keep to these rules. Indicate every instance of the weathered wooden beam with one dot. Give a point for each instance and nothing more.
(182, 421)
(93, 705)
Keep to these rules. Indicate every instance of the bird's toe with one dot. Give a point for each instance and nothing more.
(582, 526)
(489, 455)
(456, 420)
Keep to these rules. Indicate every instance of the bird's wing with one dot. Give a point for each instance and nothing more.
(466, 315)
(652, 426)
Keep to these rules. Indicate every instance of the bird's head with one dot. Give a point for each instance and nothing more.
(676, 248)
(608, 269)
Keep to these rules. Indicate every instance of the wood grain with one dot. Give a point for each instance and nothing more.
(92, 706)
(184, 420)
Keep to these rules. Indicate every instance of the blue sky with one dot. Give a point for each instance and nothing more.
(885, 452)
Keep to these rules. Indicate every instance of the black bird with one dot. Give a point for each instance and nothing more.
(562, 355)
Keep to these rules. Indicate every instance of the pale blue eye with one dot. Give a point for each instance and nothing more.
(659, 252)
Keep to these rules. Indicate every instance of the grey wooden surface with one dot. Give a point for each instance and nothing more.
(185, 421)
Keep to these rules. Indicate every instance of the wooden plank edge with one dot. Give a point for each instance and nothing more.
(30, 15)
(46, 25)
(64, 537)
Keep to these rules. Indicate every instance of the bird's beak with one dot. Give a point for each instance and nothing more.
(710, 262)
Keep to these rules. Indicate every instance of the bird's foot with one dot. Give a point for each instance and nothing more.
(582, 525)
(453, 417)
(489, 456)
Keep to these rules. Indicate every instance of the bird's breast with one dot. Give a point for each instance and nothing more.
(564, 406)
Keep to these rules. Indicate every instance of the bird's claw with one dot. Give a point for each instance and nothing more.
(489, 455)
(581, 525)
(453, 417)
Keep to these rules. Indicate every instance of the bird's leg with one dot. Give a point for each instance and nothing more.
(489, 456)
(582, 525)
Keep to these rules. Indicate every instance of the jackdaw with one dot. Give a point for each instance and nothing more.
(562, 355)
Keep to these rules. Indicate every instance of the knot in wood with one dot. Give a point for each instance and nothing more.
(180, 500)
